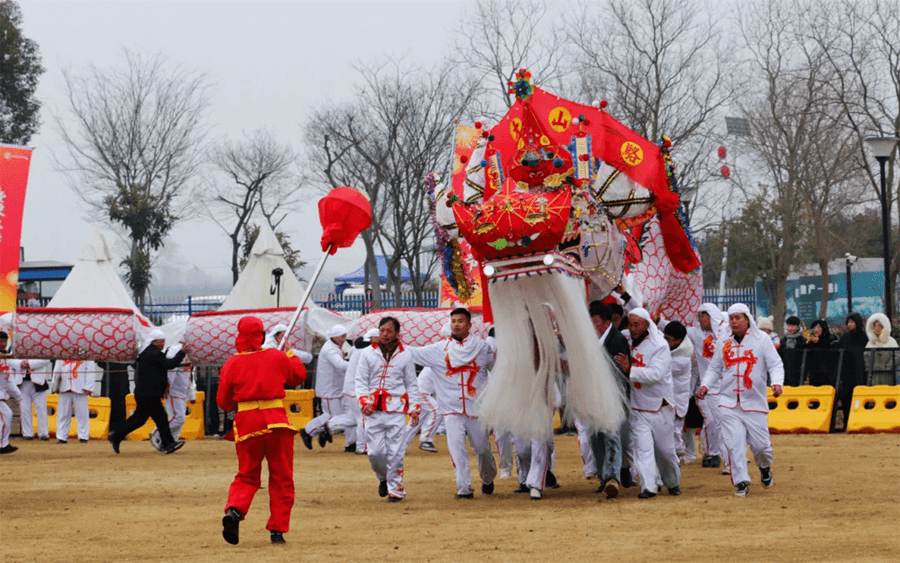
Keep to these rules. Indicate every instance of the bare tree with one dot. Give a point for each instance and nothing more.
(400, 127)
(501, 36)
(663, 68)
(134, 137)
(258, 178)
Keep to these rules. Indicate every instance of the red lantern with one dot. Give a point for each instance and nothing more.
(726, 172)
(344, 213)
(723, 152)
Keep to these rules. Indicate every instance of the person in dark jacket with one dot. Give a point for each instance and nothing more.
(822, 357)
(149, 389)
(608, 448)
(853, 368)
(791, 352)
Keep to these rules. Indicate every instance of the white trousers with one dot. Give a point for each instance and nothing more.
(458, 425)
(5, 423)
(39, 400)
(690, 445)
(589, 466)
(744, 429)
(534, 460)
(176, 408)
(385, 440)
(504, 450)
(653, 448)
(347, 421)
(428, 421)
(331, 407)
(712, 436)
(67, 400)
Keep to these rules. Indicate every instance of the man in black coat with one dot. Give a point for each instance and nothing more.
(150, 386)
(608, 448)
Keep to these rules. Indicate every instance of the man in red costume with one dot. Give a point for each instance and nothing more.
(252, 383)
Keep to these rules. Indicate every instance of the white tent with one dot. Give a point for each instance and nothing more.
(93, 281)
(253, 289)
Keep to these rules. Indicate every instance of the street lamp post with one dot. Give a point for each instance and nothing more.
(850, 260)
(881, 149)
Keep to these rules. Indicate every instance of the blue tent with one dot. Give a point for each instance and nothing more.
(359, 276)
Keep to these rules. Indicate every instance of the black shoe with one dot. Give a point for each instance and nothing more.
(705, 462)
(230, 524)
(675, 491)
(114, 441)
(767, 478)
(646, 494)
(715, 461)
(307, 439)
(382, 489)
(350, 448)
(324, 437)
(487, 488)
(392, 498)
(277, 537)
(466, 495)
(28, 437)
(45, 438)
(550, 482)
(523, 488)
(82, 441)
(174, 447)
(62, 442)
(8, 449)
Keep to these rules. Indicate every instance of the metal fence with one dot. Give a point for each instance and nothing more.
(364, 305)
(745, 295)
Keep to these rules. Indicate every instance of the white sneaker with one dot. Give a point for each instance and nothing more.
(590, 476)
(535, 494)
(726, 470)
(741, 490)
(506, 473)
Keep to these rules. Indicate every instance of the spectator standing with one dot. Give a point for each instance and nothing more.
(791, 351)
(32, 377)
(821, 357)
(853, 368)
(74, 380)
(878, 329)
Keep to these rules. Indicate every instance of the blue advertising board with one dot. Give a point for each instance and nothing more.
(804, 296)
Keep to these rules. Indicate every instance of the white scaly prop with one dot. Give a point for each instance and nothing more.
(518, 396)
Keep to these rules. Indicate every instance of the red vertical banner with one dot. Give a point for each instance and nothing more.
(14, 165)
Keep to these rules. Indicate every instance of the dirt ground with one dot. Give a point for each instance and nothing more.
(835, 499)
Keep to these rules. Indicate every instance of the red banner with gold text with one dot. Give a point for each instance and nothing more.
(14, 165)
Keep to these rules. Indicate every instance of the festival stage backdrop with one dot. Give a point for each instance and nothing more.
(14, 165)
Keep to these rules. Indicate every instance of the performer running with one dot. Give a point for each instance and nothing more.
(743, 361)
(330, 371)
(460, 365)
(385, 385)
(252, 384)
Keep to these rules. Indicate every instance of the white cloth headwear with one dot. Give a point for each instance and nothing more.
(270, 337)
(155, 334)
(741, 308)
(717, 319)
(278, 328)
(335, 331)
(370, 334)
(653, 331)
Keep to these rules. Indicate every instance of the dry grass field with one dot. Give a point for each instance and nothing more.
(835, 499)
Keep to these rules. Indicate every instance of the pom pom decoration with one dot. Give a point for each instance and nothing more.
(575, 121)
(723, 152)
(596, 104)
(603, 104)
(477, 125)
(725, 171)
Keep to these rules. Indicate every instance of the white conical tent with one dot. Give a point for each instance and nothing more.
(93, 281)
(253, 289)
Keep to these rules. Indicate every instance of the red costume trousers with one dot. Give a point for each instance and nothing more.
(277, 447)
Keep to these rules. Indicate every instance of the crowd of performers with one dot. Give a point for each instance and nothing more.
(722, 366)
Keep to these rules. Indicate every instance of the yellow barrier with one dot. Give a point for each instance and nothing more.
(99, 408)
(299, 405)
(801, 410)
(142, 433)
(194, 423)
(874, 410)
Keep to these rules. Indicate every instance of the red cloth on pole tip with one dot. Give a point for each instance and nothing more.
(344, 213)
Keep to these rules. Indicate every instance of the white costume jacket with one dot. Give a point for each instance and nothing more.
(651, 374)
(742, 368)
(682, 378)
(350, 375)
(7, 386)
(40, 371)
(389, 385)
(460, 371)
(704, 344)
(330, 371)
(75, 376)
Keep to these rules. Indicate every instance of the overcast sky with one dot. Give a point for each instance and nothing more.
(271, 62)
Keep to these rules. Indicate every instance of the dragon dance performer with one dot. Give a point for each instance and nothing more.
(252, 384)
(460, 365)
(743, 360)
